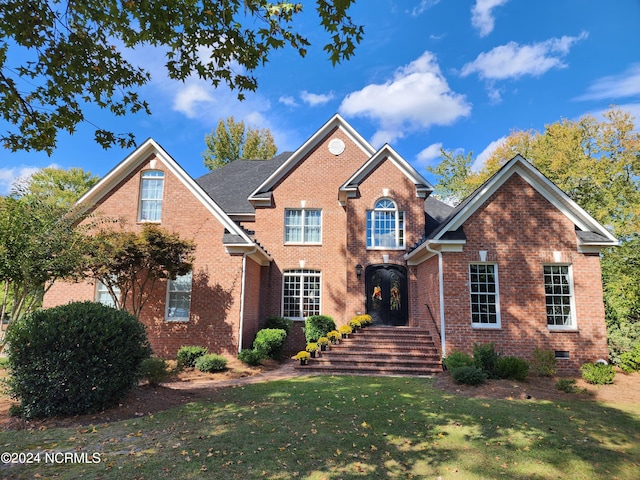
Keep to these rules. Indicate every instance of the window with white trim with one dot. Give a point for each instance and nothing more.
(103, 296)
(302, 225)
(485, 304)
(385, 225)
(558, 289)
(151, 188)
(301, 294)
(179, 298)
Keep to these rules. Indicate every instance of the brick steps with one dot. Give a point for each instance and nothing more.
(379, 351)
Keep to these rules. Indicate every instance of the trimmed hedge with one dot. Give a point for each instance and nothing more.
(74, 359)
(317, 326)
(269, 342)
(211, 363)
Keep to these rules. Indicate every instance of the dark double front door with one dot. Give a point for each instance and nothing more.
(387, 294)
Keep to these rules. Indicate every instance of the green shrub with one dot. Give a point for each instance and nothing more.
(568, 385)
(598, 373)
(251, 357)
(74, 359)
(155, 371)
(457, 359)
(544, 363)
(211, 363)
(269, 341)
(187, 355)
(486, 358)
(630, 361)
(470, 375)
(318, 326)
(512, 368)
(279, 323)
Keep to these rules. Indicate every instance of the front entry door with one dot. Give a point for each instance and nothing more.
(387, 294)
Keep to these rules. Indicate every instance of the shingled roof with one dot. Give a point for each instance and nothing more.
(231, 185)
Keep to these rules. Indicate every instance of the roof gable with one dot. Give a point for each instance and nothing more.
(262, 194)
(591, 235)
(350, 187)
(141, 154)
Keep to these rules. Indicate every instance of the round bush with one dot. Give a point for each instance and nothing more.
(512, 368)
(251, 357)
(211, 363)
(269, 342)
(598, 373)
(279, 323)
(457, 359)
(188, 355)
(74, 359)
(317, 326)
(155, 370)
(468, 375)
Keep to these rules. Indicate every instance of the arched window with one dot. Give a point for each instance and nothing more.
(385, 225)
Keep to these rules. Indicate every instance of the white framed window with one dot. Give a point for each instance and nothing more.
(103, 296)
(385, 226)
(301, 293)
(558, 289)
(151, 189)
(303, 225)
(179, 298)
(485, 300)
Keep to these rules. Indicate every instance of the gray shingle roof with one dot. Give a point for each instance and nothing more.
(231, 185)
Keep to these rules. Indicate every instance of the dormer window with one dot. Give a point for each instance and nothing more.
(385, 226)
(151, 188)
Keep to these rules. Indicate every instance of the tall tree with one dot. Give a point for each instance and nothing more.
(231, 140)
(40, 242)
(454, 172)
(130, 264)
(75, 54)
(58, 186)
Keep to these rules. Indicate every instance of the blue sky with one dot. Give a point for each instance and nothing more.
(429, 74)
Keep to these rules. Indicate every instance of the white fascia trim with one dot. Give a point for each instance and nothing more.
(140, 154)
(542, 185)
(335, 121)
(386, 151)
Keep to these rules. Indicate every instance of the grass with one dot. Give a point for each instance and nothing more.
(348, 428)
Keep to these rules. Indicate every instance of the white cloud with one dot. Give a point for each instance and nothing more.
(288, 101)
(481, 17)
(486, 153)
(513, 60)
(186, 99)
(416, 98)
(315, 99)
(423, 6)
(12, 177)
(428, 155)
(626, 84)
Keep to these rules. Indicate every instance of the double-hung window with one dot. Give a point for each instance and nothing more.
(385, 226)
(301, 294)
(104, 296)
(303, 226)
(179, 298)
(558, 289)
(151, 187)
(485, 304)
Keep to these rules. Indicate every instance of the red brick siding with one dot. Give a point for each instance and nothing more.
(217, 276)
(428, 293)
(252, 319)
(521, 230)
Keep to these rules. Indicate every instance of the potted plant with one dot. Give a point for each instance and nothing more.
(365, 319)
(345, 330)
(333, 336)
(323, 342)
(302, 356)
(355, 324)
(312, 348)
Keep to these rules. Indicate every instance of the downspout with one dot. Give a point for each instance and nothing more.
(441, 287)
(242, 292)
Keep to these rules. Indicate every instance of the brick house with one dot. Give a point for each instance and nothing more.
(339, 228)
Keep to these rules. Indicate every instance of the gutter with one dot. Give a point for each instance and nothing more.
(441, 288)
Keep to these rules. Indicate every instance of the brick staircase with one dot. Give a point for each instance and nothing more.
(379, 351)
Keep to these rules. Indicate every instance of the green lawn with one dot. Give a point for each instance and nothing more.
(347, 427)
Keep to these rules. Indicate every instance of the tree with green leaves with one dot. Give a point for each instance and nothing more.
(129, 264)
(74, 54)
(59, 186)
(40, 243)
(453, 171)
(597, 163)
(231, 141)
